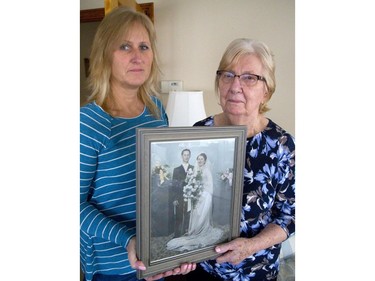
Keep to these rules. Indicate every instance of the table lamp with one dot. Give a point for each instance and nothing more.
(184, 108)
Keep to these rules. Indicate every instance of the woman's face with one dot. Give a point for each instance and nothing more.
(200, 160)
(132, 59)
(238, 99)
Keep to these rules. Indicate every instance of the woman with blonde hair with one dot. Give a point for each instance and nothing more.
(123, 80)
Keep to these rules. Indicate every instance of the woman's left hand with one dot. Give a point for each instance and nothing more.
(234, 251)
(240, 248)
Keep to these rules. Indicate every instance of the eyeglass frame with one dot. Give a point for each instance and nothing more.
(258, 77)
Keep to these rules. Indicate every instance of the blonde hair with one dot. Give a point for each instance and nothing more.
(244, 46)
(113, 26)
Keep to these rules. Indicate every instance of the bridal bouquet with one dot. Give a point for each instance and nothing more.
(193, 188)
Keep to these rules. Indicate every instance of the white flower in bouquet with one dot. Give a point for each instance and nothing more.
(194, 187)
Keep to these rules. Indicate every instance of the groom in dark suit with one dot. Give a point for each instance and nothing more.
(182, 217)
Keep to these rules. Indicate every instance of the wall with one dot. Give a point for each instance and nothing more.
(91, 4)
(193, 34)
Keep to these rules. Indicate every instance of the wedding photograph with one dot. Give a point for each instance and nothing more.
(188, 192)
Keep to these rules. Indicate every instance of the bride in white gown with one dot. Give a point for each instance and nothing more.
(201, 231)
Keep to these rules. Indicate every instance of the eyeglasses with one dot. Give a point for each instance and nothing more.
(248, 79)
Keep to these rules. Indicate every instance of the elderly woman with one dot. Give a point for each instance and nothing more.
(245, 82)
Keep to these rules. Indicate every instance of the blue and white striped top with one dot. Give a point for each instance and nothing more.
(108, 187)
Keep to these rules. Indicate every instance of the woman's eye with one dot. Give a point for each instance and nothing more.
(144, 47)
(249, 77)
(125, 47)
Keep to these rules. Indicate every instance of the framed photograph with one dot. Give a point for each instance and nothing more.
(189, 193)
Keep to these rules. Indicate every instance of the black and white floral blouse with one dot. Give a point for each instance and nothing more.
(268, 197)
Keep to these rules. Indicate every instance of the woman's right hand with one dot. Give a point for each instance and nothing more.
(184, 268)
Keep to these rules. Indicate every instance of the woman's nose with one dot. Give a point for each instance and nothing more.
(136, 55)
(236, 84)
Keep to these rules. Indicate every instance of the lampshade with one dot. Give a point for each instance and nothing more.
(184, 108)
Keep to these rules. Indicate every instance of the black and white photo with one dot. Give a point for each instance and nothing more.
(189, 188)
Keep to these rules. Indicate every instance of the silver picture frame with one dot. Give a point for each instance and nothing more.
(161, 149)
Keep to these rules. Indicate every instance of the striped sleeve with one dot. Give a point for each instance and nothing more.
(95, 130)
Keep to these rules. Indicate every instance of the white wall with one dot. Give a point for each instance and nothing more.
(193, 34)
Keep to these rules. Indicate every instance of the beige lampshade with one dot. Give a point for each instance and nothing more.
(184, 108)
